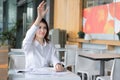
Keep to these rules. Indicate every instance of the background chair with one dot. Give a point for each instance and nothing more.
(115, 72)
(57, 46)
(16, 59)
(70, 56)
(109, 64)
(17, 62)
(87, 69)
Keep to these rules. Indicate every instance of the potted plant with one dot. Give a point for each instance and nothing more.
(81, 34)
(9, 36)
(118, 35)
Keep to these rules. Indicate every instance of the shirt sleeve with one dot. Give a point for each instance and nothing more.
(29, 37)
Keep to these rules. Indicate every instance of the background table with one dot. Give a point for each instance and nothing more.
(102, 57)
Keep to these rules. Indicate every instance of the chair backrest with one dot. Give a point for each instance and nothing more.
(115, 73)
(17, 62)
(16, 50)
(57, 52)
(57, 46)
(108, 64)
(70, 54)
(17, 59)
(84, 63)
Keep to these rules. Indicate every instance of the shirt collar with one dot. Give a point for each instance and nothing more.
(37, 43)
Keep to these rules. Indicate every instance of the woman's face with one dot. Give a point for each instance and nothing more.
(42, 30)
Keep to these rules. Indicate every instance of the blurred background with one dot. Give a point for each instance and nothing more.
(16, 16)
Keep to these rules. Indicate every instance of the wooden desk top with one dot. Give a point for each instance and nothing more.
(100, 56)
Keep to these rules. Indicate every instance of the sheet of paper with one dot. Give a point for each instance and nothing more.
(42, 71)
(46, 71)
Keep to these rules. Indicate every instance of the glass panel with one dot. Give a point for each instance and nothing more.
(29, 14)
(12, 12)
(91, 3)
(1, 15)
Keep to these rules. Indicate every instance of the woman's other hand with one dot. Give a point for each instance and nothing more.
(59, 67)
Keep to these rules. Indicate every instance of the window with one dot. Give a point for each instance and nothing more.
(91, 3)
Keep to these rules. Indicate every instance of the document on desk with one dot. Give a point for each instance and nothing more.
(46, 71)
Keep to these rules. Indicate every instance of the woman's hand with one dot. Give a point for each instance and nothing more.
(41, 11)
(59, 67)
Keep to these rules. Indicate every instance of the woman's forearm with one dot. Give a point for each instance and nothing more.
(37, 21)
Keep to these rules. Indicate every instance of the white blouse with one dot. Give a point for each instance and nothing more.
(38, 55)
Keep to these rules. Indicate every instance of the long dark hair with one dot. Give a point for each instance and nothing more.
(47, 33)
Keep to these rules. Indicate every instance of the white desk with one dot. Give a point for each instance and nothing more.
(13, 75)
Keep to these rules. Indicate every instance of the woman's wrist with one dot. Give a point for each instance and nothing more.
(39, 18)
(60, 64)
(37, 21)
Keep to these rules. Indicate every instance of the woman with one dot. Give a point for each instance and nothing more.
(38, 49)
